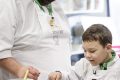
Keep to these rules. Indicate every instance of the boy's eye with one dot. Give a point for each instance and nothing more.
(92, 51)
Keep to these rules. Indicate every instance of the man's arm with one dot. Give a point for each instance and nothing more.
(11, 65)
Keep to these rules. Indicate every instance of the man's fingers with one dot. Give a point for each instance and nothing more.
(34, 71)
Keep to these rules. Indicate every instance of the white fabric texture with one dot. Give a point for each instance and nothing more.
(26, 35)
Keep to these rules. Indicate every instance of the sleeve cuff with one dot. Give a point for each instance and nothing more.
(5, 54)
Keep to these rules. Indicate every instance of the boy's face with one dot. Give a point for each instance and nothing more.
(95, 53)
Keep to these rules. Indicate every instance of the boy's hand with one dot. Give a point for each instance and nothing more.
(55, 76)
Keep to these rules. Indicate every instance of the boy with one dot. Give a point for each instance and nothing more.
(100, 62)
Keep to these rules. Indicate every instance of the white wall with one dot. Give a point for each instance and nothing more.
(115, 13)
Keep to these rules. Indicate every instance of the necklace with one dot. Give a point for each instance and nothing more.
(56, 30)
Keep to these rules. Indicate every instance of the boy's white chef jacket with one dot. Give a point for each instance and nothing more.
(83, 70)
(26, 35)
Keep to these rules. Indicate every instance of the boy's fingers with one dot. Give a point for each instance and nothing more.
(52, 76)
(58, 76)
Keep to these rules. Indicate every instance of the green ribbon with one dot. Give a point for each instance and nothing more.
(103, 66)
(49, 7)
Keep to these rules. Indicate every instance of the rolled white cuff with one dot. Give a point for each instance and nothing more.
(5, 54)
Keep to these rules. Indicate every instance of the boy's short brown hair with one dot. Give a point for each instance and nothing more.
(98, 32)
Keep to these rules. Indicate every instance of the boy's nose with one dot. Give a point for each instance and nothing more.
(87, 55)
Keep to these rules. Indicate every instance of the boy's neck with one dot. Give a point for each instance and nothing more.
(109, 58)
(104, 65)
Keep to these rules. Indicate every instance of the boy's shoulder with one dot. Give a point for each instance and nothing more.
(82, 66)
(83, 61)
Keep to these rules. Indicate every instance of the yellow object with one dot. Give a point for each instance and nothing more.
(26, 73)
(52, 21)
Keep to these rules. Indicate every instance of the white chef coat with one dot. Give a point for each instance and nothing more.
(26, 35)
(83, 70)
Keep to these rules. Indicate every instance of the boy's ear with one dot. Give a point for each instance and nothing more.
(109, 47)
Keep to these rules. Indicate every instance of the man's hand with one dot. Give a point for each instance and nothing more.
(55, 76)
(33, 73)
(10, 64)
